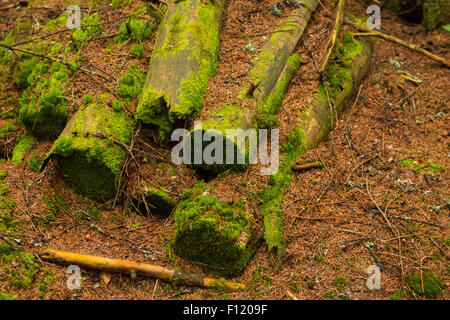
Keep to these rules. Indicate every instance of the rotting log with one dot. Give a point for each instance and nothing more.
(183, 61)
(268, 81)
(218, 235)
(92, 149)
(351, 63)
(135, 268)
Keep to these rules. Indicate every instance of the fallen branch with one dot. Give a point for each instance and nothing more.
(306, 166)
(372, 33)
(333, 39)
(132, 267)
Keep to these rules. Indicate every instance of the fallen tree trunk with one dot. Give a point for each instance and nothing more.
(316, 121)
(183, 61)
(268, 80)
(92, 149)
(132, 267)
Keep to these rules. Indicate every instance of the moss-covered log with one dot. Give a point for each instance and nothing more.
(91, 150)
(431, 13)
(216, 234)
(268, 81)
(183, 61)
(351, 64)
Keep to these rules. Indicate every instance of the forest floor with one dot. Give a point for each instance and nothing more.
(388, 156)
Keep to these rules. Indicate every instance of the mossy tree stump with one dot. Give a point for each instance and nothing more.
(92, 149)
(183, 61)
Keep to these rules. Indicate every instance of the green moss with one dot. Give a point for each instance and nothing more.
(432, 284)
(7, 296)
(135, 29)
(90, 27)
(427, 166)
(159, 201)
(90, 164)
(137, 51)
(195, 39)
(340, 87)
(23, 146)
(43, 109)
(340, 283)
(212, 232)
(8, 127)
(269, 107)
(131, 83)
(22, 275)
(45, 282)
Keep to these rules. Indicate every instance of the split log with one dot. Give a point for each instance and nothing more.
(92, 149)
(352, 60)
(269, 79)
(183, 61)
(135, 268)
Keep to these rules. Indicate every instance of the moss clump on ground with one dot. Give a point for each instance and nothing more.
(159, 202)
(90, 150)
(22, 276)
(214, 233)
(135, 29)
(131, 84)
(427, 166)
(427, 284)
(23, 146)
(43, 109)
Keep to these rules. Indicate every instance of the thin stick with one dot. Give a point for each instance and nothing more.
(306, 166)
(89, 72)
(333, 39)
(132, 267)
(372, 33)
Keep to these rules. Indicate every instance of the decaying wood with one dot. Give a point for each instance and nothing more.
(337, 27)
(183, 60)
(265, 73)
(132, 267)
(411, 46)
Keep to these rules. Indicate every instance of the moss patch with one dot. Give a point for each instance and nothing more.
(23, 146)
(432, 284)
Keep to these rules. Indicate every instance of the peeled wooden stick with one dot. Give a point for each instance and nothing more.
(333, 39)
(373, 33)
(131, 267)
